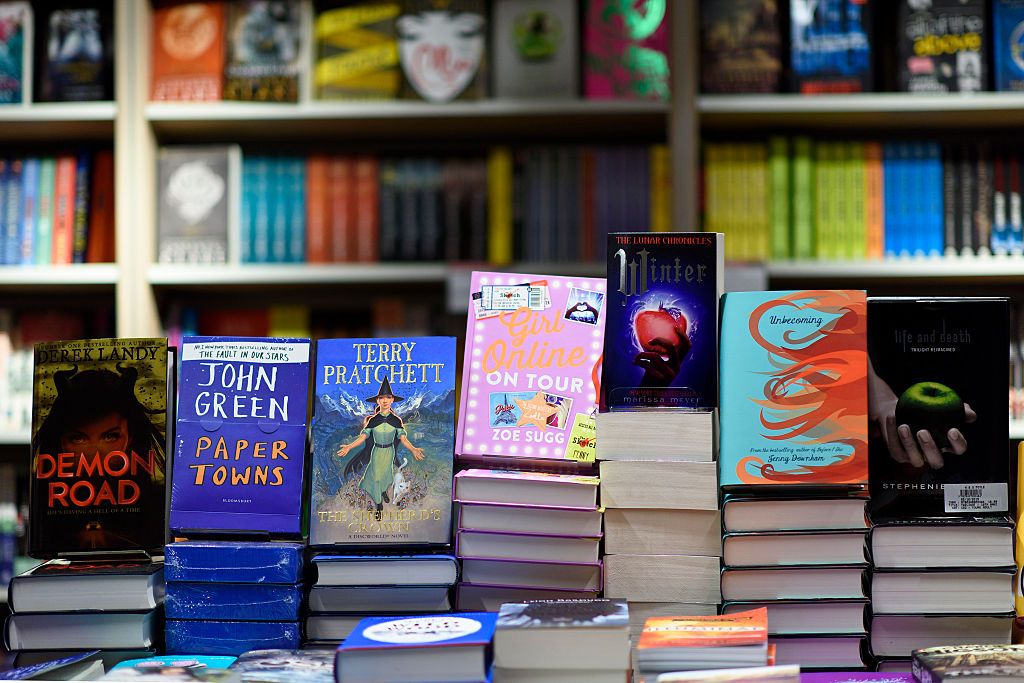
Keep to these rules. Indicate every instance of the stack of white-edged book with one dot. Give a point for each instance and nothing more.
(662, 537)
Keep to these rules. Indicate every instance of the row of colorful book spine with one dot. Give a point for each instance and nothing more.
(817, 199)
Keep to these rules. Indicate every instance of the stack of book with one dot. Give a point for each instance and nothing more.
(237, 495)
(229, 597)
(562, 640)
(656, 439)
(793, 465)
(942, 538)
(380, 514)
(97, 498)
(533, 350)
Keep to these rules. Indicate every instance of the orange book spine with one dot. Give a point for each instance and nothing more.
(64, 211)
(340, 192)
(874, 200)
(367, 220)
(100, 242)
(318, 229)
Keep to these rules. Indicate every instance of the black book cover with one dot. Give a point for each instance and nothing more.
(937, 411)
(92, 568)
(75, 52)
(936, 664)
(942, 45)
(741, 46)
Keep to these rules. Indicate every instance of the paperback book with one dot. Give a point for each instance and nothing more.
(442, 49)
(794, 389)
(536, 48)
(188, 52)
(661, 330)
(264, 51)
(533, 350)
(75, 52)
(16, 55)
(99, 421)
(626, 50)
(241, 437)
(356, 51)
(741, 46)
(943, 46)
(383, 440)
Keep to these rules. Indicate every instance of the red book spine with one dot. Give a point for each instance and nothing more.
(64, 211)
(367, 218)
(341, 193)
(318, 235)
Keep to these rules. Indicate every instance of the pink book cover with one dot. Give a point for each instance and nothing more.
(533, 363)
(626, 50)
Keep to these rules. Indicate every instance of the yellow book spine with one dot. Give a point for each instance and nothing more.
(1018, 596)
(660, 189)
(499, 202)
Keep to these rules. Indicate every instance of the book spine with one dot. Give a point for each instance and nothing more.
(410, 184)
(296, 246)
(477, 189)
(824, 201)
(949, 201)
(341, 208)
(44, 225)
(318, 235)
(388, 210)
(63, 210)
(499, 197)
(874, 201)
(1016, 216)
(30, 201)
(936, 214)
(966, 198)
(80, 231)
(280, 210)
(367, 220)
(100, 246)
(804, 200)
(761, 203)
(983, 212)
(779, 197)
(857, 242)
(12, 208)
(661, 189)
(261, 208)
(1000, 241)
(430, 207)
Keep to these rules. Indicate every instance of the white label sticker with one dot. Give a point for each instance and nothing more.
(979, 497)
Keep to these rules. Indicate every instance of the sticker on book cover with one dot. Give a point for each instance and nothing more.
(529, 408)
(584, 306)
(582, 446)
(493, 300)
(419, 630)
(977, 497)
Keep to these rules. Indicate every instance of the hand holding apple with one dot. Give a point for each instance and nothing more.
(927, 421)
(663, 338)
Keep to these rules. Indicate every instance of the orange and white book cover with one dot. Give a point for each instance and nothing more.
(727, 630)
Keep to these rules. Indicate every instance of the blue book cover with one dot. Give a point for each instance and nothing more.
(296, 247)
(65, 668)
(661, 324)
(286, 666)
(230, 637)
(383, 441)
(830, 46)
(15, 37)
(233, 601)
(441, 630)
(1008, 53)
(233, 562)
(241, 437)
(191, 662)
(12, 210)
(30, 209)
(794, 388)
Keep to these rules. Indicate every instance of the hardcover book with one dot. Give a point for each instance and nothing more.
(99, 421)
(16, 61)
(234, 562)
(230, 637)
(625, 50)
(188, 52)
(943, 46)
(233, 601)
(285, 666)
(830, 46)
(661, 328)
(533, 346)
(62, 586)
(241, 437)
(536, 51)
(75, 53)
(197, 205)
(794, 389)
(937, 409)
(1008, 37)
(442, 49)
(356, 51)
(383, 439)
(968, 662)
(80, 666)
(264, 51)
(741, 46)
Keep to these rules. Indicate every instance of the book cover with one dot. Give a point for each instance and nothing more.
(197, 203)
(741, 46)
(625, 50)
(442, 48)
(264, 51)
(286, 666)
(536, 51)
(75, 53)
(956, 662)
(533, 345)
(356, 51)
(1008, 41)
(942, 46)
(830, 46)
(192, 662)
(233, 601)
(1018, 591)
(938, 414)
(855, 677)
(794, 390)
(563, 613)
(230, 637)
(383, 439)
(234, 562)
(241, 435)
(99, 421)
(400, 633)
(85, 568)
(728, 630)
(188, 52)
(58, 669)
(15, 56)
(661, 327)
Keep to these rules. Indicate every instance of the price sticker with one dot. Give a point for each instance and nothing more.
(980, 497)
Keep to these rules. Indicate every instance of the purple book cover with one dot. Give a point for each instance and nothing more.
(855, 677)
(533, 361)
(241, 437)
(625, 50)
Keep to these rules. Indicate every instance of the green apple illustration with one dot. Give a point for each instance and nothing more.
(932, 406)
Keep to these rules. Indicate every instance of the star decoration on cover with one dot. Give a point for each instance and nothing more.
(536, 411)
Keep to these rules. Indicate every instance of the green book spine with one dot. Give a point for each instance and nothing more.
(857, 244)
(779, 197)
(44, 222)
(803, 198)
(823, 200)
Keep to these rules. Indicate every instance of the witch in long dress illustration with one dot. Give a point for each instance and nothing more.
(379, 458)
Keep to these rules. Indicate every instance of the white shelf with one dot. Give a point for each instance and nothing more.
(894, 110)
(14, 438)
(67, 276)
(402, 119)
(1017, 429)
(982, 267)
(187, 275)
(57, 121)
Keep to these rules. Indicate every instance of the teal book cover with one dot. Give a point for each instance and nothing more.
(383, 441)
(794, 388)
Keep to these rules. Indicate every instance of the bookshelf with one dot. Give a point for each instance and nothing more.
(45, 122)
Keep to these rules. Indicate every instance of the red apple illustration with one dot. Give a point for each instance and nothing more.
(656, 327)
(662, 334)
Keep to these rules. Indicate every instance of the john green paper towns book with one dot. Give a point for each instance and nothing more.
(794, 388)
(383, 441)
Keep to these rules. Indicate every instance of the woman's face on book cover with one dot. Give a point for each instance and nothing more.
(102, 435)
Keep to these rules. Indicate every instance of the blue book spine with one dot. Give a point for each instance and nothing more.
(231, 562)
(30, 209)
(1008, 53)
(12, 209)
(297, 211)
(80, 231)
(889, 176)
(261, 210)
(230, 637)
(245, 242)
(5, 165)
(936, 231)
(278, 197)
(233, 601)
